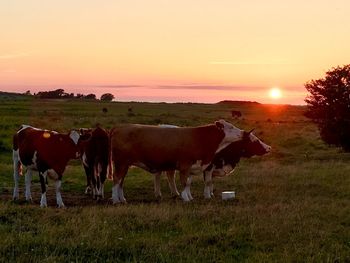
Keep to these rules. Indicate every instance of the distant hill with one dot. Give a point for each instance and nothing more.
(238, 102)
(13, 95)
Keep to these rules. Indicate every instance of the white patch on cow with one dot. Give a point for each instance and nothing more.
(232, 134)
(43, 201)
(16, 168)
(74, 135)
(207, 182)
(84, 159)
(264, 145)
(212, 189)
(167, 126)
(88, 190)
(24, 126)
(184, 195)
(188, 188)
(118, 194)
(28, 181)
(33, 166)
(121, 194)
(115, 195)
(59, 200)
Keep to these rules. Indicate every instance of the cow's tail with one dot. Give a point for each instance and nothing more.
(110, 156)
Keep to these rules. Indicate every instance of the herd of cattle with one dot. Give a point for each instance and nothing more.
(211, 150)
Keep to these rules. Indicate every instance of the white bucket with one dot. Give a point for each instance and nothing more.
(227, 195)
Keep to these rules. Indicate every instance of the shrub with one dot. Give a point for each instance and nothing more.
(329, 106)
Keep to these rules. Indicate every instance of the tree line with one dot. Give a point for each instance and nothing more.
(61, 94)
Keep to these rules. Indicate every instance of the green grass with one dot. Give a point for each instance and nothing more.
(292, 205)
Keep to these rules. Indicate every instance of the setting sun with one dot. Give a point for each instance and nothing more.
(275, 93)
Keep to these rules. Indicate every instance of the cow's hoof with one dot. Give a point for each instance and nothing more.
(88, 190)
(99, 198)
(184, 196)
(207, 195)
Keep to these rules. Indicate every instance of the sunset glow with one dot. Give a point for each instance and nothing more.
(172, 50)
(275, 93)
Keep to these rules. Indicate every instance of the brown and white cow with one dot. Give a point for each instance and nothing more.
(47, 152)
(222, 164)
(94, 152)
(156, 149)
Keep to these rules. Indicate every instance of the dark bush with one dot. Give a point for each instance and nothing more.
(329, 106)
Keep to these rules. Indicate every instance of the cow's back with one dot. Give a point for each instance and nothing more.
(161, 145)
(48, 149)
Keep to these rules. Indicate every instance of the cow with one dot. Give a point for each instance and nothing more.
(236, 114)
(94, 153)
(222, 164)
(157, 149)
(226, 160)
(47, 152)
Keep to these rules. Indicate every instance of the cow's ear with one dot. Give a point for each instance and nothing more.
(74, 135)
(219, 125)
(85, 136)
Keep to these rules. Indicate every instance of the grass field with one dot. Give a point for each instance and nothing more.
(292, 205)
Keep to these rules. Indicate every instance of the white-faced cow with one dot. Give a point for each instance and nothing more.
(47, 152)
(94, 152)
(226, 160)
(222, 164)
(157, 149)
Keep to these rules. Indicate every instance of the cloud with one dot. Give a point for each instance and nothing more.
(207, 87)
(249, 63)
(14, 55)
(8, 71)
(120, 86)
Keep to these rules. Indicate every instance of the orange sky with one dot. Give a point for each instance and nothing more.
(162, 50)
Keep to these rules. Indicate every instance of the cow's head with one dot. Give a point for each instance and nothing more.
(247, 147)
(231, 133)
(85, 135)
(252, 145)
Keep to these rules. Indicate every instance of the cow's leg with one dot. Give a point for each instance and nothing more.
(212, 189)
(103, 175)
(172, 183)
(188, 189)
(94, 182)
(118, 179)
(16, 169)
(28, 182)
(157, 191)
(98, 180)
(88, 189)
(184, 181)
(59, 200)
(43, 201)
(207, 184)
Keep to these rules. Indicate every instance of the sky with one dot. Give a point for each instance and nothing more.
(173, 51)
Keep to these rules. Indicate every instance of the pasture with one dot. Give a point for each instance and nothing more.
(292, 205)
